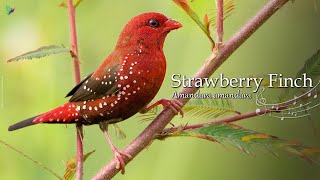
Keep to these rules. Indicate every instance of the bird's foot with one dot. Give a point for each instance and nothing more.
(119, 156)
(173, 104)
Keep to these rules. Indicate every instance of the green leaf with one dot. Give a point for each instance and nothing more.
(75, 3)
(207, 22)
(150, 115)
(244, 140)
(228, 8)
(209, 109)
(311, 68)
(9, 9)
(41, 52)
(198, 108)
(118, 131)
(187, 8)
(71, 166)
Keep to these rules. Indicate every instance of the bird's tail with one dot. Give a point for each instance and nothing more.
(67, 113)
(22, 124)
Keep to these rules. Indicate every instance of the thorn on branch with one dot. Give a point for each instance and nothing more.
(73, 55)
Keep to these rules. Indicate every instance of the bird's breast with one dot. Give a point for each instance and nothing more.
(140, 78)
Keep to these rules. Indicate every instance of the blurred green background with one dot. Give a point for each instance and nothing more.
(31, 87)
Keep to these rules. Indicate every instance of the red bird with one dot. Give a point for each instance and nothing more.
(124, 84)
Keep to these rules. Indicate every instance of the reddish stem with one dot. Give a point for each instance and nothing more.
(220, 21)
(74, 41)
(226, 120)
(75, 55)
(79, 156)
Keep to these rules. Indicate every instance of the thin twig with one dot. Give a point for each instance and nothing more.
(75, 56)
(74, 41)
(220, 21)
(225, 120)
(212, 64)
(28, 157)
(79, 156)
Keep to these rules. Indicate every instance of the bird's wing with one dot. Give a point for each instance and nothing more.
(78, 85)
(101, 83)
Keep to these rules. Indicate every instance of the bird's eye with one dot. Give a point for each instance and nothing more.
(153, 23)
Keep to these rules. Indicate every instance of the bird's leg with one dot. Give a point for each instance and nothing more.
(173, 104)
(117, 154)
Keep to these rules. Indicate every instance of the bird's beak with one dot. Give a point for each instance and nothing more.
(171, 24)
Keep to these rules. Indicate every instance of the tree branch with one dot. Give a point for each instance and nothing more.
(75, 55)
(213, 62)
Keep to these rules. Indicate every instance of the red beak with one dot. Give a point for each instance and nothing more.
(171, 24)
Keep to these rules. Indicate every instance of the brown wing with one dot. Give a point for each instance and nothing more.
(78, 85)
(101, 83)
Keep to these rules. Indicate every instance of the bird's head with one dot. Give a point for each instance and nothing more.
(147, 29)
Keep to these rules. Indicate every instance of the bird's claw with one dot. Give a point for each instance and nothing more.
(120, 162)
(173, 104)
